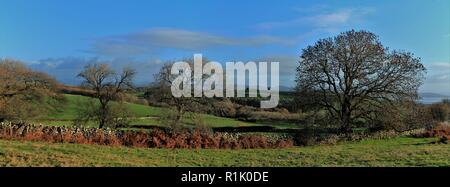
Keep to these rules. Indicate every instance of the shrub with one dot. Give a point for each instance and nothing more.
(170, 119)
(439, 112)
(224, 108)
(136, 139)
(306, 138)
(244, 113)
(441, 131)
(275, 116)
(200, 124)
(330, 140)
(406, 117)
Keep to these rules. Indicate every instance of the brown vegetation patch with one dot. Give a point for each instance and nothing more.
(155, 138)
(441, 131)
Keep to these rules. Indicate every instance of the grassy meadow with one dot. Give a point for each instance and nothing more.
(66, 111)
(392, 152)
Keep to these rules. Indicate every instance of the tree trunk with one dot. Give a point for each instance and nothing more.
(179, 115)
(102, 123)
(103, 115)
(346, 115)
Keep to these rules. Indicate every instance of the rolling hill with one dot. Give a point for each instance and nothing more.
(65, 111)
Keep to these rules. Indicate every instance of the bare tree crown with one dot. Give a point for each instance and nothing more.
(105, 81)
(353, 75)
(108, 86)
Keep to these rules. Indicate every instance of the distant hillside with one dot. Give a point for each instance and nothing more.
(430, 94)
(286, 89)
(75, 90)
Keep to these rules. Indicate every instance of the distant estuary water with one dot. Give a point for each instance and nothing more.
(433, 99)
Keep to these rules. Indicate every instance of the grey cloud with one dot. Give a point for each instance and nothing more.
(438, 71)
(153, 40)
(437, 84)
(439, 66)
(438, 78)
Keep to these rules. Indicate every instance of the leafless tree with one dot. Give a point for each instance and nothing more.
(161, 90)
(163, 82)
(108, 86)
(353, 76)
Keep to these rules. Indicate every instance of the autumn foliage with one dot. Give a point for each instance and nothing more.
(155, 138)
(441, 131)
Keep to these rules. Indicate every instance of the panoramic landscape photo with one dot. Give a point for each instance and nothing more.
(98, 83)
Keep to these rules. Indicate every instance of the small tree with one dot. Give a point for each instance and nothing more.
(353, 76)
(162, 93)
(108, 86)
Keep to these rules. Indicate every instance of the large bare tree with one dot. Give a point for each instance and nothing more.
(108, 86)
(20, 87)
(161, 90)
(353, 76)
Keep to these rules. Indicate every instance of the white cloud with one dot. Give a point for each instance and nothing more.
(445, 66)
(316, 8)
(327, 20)
(153, 40)
(288, 66)
(332, 19)
(438, 78)
(443, 77)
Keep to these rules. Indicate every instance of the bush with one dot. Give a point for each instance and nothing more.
(442, 131)
(407, 116)
(275, 116)
(142, 102)
(244, 113)
(170, 119)
(200, 124)
(439, 112)
(306, 138)
(224, 109)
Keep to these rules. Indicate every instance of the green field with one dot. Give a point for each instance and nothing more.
(401, 151)
(66, 111)
(393, 152)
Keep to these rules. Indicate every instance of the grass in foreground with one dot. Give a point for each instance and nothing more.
(393, 152)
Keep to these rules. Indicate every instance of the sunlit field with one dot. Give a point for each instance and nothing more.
(392, 152)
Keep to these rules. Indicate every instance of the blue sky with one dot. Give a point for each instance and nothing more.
(60, 36)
